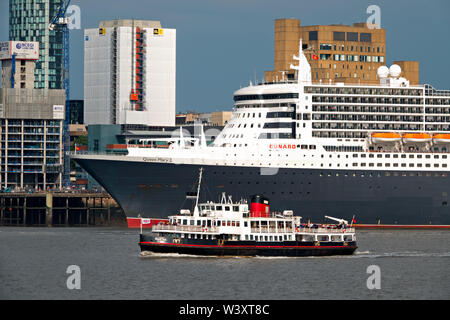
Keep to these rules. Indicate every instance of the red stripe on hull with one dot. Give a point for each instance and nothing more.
(399, 226)
(135, 223)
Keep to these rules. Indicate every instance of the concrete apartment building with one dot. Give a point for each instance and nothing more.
(31, 123)
(336, 53)
(129, 73)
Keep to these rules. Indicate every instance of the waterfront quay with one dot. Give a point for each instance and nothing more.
(60, 208)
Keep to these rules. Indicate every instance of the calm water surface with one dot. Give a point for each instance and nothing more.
(33, 263)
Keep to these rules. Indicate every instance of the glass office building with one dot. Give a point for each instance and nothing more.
(29, 21)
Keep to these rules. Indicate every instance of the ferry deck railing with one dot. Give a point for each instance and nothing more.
(169, 227)
(303, 230)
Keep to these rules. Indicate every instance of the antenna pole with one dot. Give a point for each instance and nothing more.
(198, 188)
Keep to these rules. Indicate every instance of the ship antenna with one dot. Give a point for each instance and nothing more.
(198, 192)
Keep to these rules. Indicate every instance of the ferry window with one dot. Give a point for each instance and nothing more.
(436, 157)
(219, 208)
(236, 208)
(428, 156)
(395, 156)
(224, 223)
(185, 222)
(233, 224)
(237, 223)
(229, 223)
(371, 155)
(411, 156)
(403, 156)
(227, 208)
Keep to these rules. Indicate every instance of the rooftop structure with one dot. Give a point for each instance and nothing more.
(129, 73)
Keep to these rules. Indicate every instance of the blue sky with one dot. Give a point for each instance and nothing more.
(222, 45)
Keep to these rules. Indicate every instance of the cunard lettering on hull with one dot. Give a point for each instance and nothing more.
(282, 146)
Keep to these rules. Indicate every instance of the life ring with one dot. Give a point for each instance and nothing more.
(345, 244)
(317, 243)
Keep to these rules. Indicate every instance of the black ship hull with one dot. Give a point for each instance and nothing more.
(156, 190)
(248, 248)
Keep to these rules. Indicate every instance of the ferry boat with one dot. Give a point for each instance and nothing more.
(379, 150)
(228, 228)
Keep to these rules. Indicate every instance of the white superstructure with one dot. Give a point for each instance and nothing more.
(392, 126)
(129, 73)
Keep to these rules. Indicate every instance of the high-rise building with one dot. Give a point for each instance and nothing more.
(28, 21)
(336, 53)
(129, 73)
(31, 123)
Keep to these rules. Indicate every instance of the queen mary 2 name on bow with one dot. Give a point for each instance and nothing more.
(282, 146)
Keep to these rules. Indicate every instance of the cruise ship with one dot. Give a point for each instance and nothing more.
(376, 152)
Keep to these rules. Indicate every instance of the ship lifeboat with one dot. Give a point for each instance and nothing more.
(441, 138)
(380, 137)
(416, 137)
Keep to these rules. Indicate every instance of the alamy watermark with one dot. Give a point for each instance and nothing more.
(374, 20)
(74, 280)
(73, 12)
(374, 280)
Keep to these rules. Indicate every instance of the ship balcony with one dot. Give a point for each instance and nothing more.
(187, 229)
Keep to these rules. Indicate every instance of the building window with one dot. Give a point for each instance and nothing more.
(365, 37)
(338, 36)
(352, 36)
(313, 35)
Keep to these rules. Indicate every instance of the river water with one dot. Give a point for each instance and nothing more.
(34, 262)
